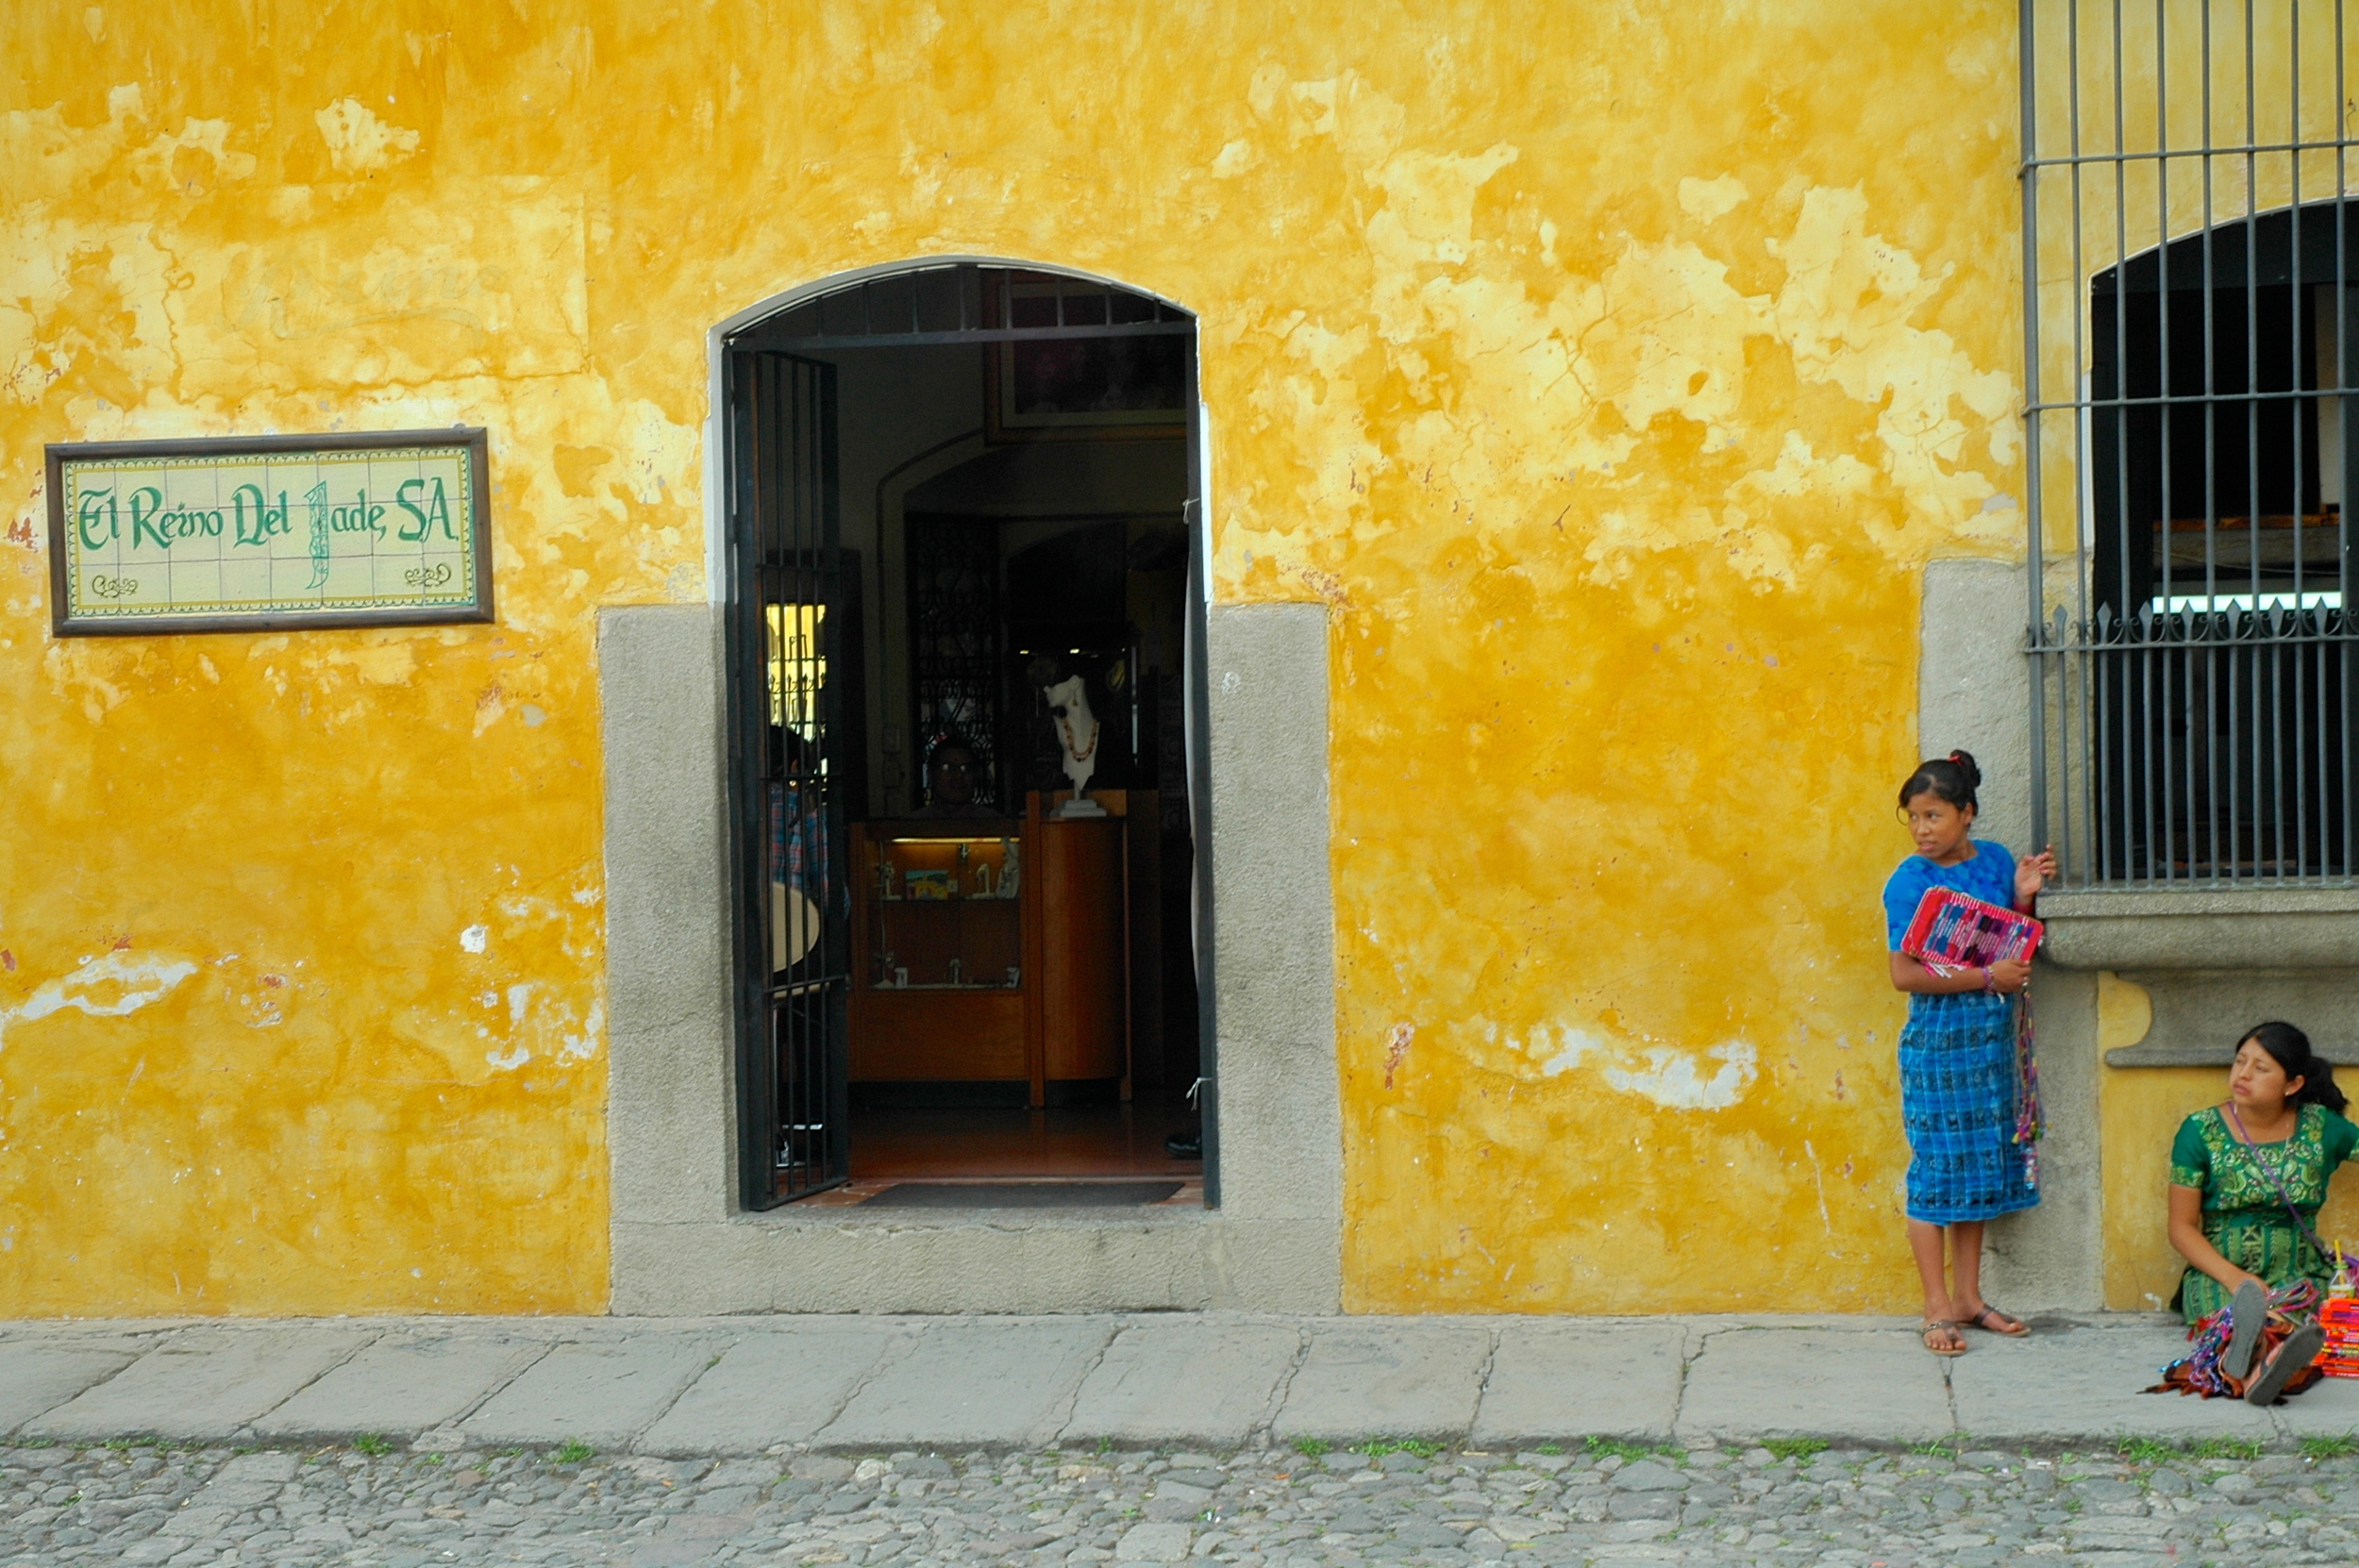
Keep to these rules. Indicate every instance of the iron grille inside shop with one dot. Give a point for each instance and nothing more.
(2189, 260)
(953, 572)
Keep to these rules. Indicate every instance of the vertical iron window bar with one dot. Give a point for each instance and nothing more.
(2192, 438)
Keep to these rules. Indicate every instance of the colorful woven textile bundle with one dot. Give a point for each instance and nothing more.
(2339, 1317)
(1953, 930)
(2030, 1122)
(2198, 1372)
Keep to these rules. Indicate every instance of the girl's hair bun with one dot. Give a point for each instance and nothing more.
(1953, 778)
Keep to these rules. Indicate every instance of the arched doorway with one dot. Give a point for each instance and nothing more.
(952, 490)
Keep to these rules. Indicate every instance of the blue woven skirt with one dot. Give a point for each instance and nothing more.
(1958, 1109)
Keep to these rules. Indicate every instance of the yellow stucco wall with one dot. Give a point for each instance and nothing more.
(1633, 467)
(1610, 371)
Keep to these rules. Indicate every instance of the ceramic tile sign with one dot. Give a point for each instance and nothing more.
(269, 533)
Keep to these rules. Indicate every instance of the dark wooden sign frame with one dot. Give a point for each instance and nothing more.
(474, 441)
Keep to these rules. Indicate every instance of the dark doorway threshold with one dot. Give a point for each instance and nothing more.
(1102, 1143)
(1024, 1194)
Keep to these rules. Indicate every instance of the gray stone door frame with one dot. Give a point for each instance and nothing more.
(680, 1241)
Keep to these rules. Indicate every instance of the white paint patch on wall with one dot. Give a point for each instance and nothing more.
(582, 1046)
(1672, 1077)
(1561, 1050)
(541, 1026)
(107, 986)
(358, 141)
(1711, 199)
(474, 937)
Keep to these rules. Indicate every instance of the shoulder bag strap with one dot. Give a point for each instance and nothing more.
(2253, 1152)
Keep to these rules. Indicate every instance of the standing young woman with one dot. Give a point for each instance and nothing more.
(1958, 1071)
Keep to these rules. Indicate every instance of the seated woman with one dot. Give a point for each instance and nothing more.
(2247, 1179)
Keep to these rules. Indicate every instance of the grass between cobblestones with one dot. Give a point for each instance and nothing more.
(2150, 1451)
(1795, 1448)
(1376, 1448)
(1599, 1448)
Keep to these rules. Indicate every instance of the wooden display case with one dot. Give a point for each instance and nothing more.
(961, 981)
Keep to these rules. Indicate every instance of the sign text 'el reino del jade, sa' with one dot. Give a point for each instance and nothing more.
(383, 528)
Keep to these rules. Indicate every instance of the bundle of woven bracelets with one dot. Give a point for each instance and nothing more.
(2339, 1316)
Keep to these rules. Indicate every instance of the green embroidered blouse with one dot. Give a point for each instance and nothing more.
(2243, 1215)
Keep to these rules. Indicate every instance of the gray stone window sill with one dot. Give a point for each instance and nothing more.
(2203, 928)
(2209, 1053)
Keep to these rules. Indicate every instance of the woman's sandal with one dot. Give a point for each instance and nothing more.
(2006, 1322)
(2247, 1312)
(2301, 1348)
(1955, 1345)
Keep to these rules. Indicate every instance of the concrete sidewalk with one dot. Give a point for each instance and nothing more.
(744, 1386)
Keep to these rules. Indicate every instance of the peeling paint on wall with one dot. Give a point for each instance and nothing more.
(111, 985)
(1672, 1077)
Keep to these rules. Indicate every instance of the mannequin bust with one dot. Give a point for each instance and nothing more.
(1078, 730)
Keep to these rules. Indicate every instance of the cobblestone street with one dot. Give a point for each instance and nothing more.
(1603, 1505)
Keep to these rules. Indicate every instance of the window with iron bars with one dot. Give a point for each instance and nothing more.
(2191, 259)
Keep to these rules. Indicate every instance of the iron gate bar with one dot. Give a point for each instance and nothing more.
(2251, 344)
(2160, 400)
(2231, 149)
(2293, 328)
(2348, 413)
(788, 828)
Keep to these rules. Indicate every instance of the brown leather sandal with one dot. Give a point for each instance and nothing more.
(1946, 1326)
(2292, 1359)
(2007, 1324)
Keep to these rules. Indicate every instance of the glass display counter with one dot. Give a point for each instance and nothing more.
(945, 913)
(940, 994)
(991, 951)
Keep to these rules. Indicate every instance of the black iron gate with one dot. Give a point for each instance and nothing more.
(787, 621)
